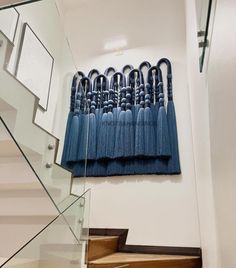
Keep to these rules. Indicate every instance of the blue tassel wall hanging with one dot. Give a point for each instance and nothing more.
(162, 135)
(75, 82)
(122, 123)
(173, 163)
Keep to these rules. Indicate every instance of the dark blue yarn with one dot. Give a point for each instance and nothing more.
(149, 133)
(66, 140)
(143, 65)
(116, 112)
(130, 167)
(92, 137)
(120, 136)
(102, 138)
(162, 136)
(92, 73)
(102, 85)
(110, 142)
(135, 110)
(139, 134)
(79, 169)
(109, 70)
(73, 144)
(162, 141)
(83, 138)
(115, 167)
(174, 163)
(129, 135)
(121, 127)
(97, 168)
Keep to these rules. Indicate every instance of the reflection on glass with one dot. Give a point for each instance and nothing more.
(55, 246)
(39, 237)
(62, 243)
(205, 11)
(25, 206)
(39, 146)
(202, 10)
(77, 217)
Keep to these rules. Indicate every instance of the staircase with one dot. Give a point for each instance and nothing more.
(105, 252)
(42, 223)
(45, 225)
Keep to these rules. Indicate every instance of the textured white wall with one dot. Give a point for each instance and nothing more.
(222, 99)
(158, 210)
(197, 84)
(44, 19)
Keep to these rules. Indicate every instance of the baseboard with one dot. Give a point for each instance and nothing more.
(186, 251)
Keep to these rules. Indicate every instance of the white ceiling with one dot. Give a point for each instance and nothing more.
(91, 23)
(11, 2)
(69, 5)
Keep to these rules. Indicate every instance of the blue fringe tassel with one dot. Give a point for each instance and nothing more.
(120, 136)
(174, 163)
(129, 135)
(110, 142)
(149, 133)
(140, 137)
(83, 138)
(139, 134)
(102, 138)
(92, 137)
(163, 142)
(67, 140)
(73, 143)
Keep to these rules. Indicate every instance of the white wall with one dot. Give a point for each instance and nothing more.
(197, 85)
(158, 210)
(222, 99)
(44, 19)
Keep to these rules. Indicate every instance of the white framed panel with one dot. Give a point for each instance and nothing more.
(8, 22)
(34, 66)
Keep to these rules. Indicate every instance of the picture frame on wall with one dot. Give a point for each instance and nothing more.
(9, 19)
(35, 66)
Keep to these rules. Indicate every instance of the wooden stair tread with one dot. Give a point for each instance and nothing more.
(133, 257)
(101, 246)
(101, 237)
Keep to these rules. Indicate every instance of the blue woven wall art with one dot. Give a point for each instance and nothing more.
(122, 123)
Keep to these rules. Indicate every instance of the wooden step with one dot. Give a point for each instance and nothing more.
(132, 260)
(100, 246)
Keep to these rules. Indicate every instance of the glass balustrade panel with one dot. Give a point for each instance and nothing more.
(28, 125)
(55, 246)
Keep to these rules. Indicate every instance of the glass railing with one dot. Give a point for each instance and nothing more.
(18, 105)
(77, 217)
(205, 11)
(57, 245)
(34, 233)
(25, 206)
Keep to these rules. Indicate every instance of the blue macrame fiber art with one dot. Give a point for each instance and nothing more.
(122, 123)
